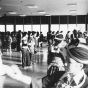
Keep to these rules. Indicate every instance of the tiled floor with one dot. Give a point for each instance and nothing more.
(38, 69)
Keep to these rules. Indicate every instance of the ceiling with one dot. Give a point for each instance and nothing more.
(52, 7)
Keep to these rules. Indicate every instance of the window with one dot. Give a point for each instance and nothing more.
(2, 28)
(10, 28)
(81, 27)
(71, 27)
(36, 28)
(63, 27)
(19, 27)
(27, 28)
(44, 29)
(55, 27)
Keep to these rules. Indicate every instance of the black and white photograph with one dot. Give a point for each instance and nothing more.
(43, 43)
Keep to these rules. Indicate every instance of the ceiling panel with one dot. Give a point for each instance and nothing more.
(52, 7)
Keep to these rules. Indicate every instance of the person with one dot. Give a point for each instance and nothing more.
(55, 71)
(56, 66)
(26, 62)
(57, 47)
(12, 71)
(19, 38)
(67, 37)
(75, 76)
(40, 39)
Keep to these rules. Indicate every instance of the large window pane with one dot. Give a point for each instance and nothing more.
(63, 27)
(55, 27)
(44, 29)
(36, 28)
(9, 28)
(71, 27)
(19, 27)
(2, 28)
(27, 28)
(81, 27)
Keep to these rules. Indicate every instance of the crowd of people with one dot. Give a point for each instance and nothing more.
(67, 59)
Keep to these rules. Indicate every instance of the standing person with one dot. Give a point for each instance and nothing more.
(49, 37)
(75, 77)
(31, 47)
(67, 37)
(9, 42)
(37, 38)
(25, 52)
(41, 39)
(19, 37)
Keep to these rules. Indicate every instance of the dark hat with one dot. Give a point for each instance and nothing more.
(79, 53)
(59, 37)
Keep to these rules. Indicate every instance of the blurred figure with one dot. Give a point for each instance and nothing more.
(25, 52)
(12, 71)
(57, 47)
(67, 37)
(8, 42)
(75, 77)
(40, 39)
(19, 42)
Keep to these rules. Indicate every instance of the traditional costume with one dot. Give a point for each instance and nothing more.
(80, 80)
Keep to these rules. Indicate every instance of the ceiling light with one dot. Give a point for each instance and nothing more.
(0, 16)
(11, 12)
(0, 8)
(41, 12)
(72, 5)
(32, 6)
(47, 15)
(73, 11)
(73, 14)
(22, 15)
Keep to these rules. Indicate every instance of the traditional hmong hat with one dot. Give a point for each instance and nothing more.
(59, 37)
(79, 53)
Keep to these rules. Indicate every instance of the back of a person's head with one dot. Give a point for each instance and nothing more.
(74, 31)
(24, 34)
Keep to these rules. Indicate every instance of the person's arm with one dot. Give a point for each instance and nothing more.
(15, 73)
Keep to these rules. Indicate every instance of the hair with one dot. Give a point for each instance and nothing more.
(58, 55)
(57, 42)
(24, 34)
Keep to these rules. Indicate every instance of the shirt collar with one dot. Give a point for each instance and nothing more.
(79, 76)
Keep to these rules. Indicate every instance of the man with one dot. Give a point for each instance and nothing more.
(75, 77)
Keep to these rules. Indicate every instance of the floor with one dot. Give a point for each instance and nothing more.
(38, 69)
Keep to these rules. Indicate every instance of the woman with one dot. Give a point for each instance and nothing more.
(26, 62)
(75, 77)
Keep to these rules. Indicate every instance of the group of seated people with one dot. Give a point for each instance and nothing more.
(67, 69)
